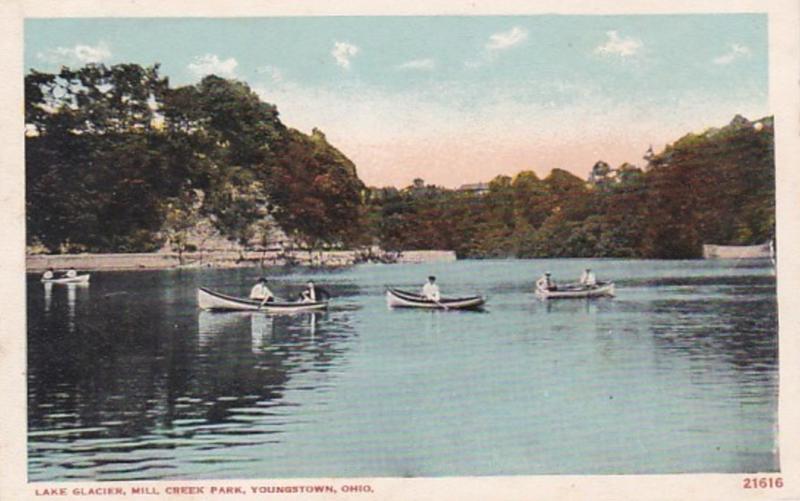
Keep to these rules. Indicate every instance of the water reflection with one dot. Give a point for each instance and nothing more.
(211, 324)
(139, 371)
(136, 383)
(729, 323)
(262, 326)
(587, 306)
(48, 296)
(71, 300)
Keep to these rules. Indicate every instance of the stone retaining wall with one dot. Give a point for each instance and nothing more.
(225, 259)
(763, 251)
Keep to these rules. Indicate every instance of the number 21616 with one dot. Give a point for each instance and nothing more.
(762, 483)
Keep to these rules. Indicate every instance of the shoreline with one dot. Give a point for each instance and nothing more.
(38, 263)
(35, 263)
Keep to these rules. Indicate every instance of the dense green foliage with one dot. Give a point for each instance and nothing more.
(717, 187)
(118, 161)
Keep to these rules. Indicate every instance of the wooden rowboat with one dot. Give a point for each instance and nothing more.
(396, 298)
(80, 279)
(212, 300)
(602, 289)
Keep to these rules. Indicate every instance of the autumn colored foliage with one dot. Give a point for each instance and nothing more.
(717, 187)
(117, 160)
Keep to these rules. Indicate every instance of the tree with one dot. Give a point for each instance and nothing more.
(314, 192)
(92, 165)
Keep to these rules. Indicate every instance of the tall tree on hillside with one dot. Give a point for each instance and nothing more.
(672, 230)
(621, 205)
(494, 232)
(94, 175)
(314, 192)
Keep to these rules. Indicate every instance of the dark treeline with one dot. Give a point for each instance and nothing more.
(117, 160)
(716, 187)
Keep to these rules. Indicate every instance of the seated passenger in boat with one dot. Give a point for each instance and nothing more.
(72, 273)
(546, 283)
(49, 274)
(430, 290)
(261, 292)
(310, 294)
(588, 279)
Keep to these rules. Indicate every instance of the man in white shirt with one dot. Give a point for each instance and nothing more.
(310, 294)
(588, 279)
(71, 273)
(48, 275)
(430, 290)
(261, 292)
(545, 282)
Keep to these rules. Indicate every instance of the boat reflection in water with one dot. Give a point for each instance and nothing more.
(72, 301)
(263, 327)
(72, 298)
(212, 324)
(48, 296)
(134, 383)
(72, 294)
(580, 305)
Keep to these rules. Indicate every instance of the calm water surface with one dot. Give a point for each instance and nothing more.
(127, 380)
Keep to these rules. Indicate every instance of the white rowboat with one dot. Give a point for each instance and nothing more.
(396, 298)
(602, 289)
(80, 279)
(212, 300)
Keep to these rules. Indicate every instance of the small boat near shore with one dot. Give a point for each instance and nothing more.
(80, 279)
(397, 298)
(213, 300)
(576, 291)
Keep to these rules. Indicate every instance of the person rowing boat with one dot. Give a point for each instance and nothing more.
(261, 292)
(310, 294)
(213, 300)
(546, 283)
(397, 298)
(588, 279)
(430, 290)
(587, 287)
(49, 274)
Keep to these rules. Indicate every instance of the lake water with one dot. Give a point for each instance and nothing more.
(127, 380)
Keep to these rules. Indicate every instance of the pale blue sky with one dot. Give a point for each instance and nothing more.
(383, 87)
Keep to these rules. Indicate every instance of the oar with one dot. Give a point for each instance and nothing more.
(440, 304)
(263, 302)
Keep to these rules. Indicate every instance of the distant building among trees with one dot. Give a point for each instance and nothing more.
(475, 188)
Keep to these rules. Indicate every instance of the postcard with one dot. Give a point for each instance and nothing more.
(465, 250)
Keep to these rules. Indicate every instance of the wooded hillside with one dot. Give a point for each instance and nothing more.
(117, 160)
(716, 187)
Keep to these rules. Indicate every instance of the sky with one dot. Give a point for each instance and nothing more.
(455, 99)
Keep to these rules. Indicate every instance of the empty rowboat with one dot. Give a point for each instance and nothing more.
(396, 298)
(212, 300)
(602, 289)
(80, 279)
